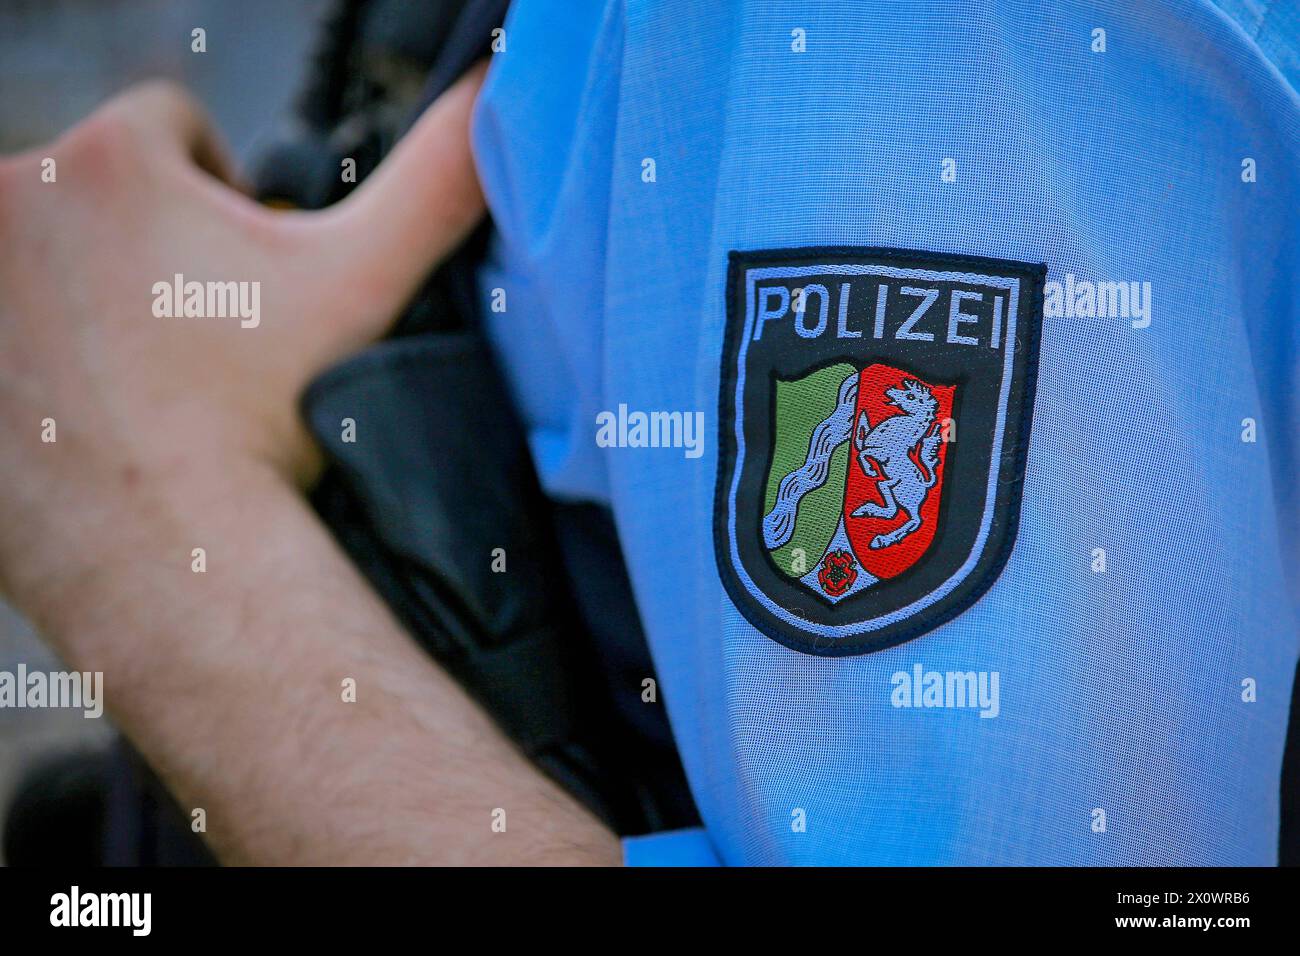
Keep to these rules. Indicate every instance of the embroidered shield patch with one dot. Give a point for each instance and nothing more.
(875, 414)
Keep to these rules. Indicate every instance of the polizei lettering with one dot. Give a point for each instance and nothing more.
(866, 308)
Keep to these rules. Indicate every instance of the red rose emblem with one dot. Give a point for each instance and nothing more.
(837, 573)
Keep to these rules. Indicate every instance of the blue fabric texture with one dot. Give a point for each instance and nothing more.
(689, 847)
(1143, 707)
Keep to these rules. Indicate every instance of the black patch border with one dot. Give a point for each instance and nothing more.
(1006, 521)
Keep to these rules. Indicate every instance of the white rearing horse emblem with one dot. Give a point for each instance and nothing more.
(884, 452)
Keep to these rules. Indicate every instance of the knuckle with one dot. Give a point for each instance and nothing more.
(161, 88)
(156, 99)
(101, 136)
(142, 94)
(122, 121)
(145, 98)
(8, 180)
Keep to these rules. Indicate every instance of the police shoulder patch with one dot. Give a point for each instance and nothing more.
(874, 420)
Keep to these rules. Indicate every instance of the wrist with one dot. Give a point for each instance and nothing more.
(91, 536)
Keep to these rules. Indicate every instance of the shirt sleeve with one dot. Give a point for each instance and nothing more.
(690, 847)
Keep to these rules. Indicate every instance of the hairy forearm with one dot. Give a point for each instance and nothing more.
(231, 682)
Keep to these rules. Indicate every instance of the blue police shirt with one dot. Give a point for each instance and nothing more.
(1134, 655)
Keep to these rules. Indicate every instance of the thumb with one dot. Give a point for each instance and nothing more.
(373, 249)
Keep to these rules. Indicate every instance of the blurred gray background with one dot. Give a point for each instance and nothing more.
(59, 59)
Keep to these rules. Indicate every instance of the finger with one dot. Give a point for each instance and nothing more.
(408, 214)
(169, 120)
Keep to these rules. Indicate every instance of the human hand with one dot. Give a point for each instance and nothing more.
(142, 193)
